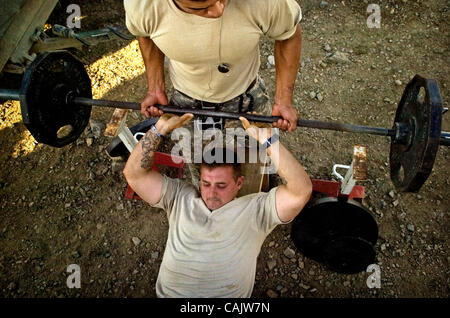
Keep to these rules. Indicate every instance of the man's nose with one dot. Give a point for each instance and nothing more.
(216, 11)
(214, 191)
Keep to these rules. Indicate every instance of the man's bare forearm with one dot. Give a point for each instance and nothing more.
(149, 145)
(287, 59)
(141, 158)
(154, 64)
(146, 182)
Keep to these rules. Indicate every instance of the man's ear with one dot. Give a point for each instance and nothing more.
(240, 182)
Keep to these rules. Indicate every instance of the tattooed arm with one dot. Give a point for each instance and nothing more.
(146, 182)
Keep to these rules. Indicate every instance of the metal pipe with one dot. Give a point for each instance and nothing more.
(235, 116)
(445, 134)
(445, 139)
(103, 103)
(7, 94)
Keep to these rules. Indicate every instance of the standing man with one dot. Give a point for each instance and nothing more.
(214, 238)
(213, 52)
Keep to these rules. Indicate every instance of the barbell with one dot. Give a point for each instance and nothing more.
(56, 93)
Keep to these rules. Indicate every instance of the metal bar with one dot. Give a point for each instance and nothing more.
(445, 141)
(346, 127)
(104, 103)
(127, 138)
(6, 94)
(94, 36)
(235, 116)
(445, 134)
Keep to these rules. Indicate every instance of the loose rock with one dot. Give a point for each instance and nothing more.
(289, 252)
(271, 264)
(271, 294)
(304, 286)
(154, 255)
(96, 127)
(117, 165)
(136, 241)
(323, 4)
(89, 141)
(339, 58)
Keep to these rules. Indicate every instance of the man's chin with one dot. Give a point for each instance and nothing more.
(214, 205)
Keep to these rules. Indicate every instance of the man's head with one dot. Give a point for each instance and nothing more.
(203, 8)
(221, 180)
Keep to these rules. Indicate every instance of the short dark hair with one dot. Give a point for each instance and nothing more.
(222, 157)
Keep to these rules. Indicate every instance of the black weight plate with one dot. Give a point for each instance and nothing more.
(45, 86)
(410, 165)
(348, 255)
(329, 218)
(116, 147)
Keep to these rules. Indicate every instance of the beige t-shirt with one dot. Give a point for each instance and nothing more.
(212, 254)
(196, 45)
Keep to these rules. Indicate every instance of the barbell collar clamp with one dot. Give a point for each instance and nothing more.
(403, 133)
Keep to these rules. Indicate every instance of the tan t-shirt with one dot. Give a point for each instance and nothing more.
(212, 254)
(196, 45)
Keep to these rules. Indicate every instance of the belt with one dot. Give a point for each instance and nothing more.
(217, 106)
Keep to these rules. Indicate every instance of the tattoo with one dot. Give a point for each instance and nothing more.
(150, 143)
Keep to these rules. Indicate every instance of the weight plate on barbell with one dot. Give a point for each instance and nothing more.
(46, 84)
(327, 219)
(421, 110)
(348, 254)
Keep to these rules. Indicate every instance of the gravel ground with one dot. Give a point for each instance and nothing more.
(67, 206)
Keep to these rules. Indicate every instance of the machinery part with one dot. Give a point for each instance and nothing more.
(56, 92)
(45, 87)
(95, 36)
(421, 109)
(18, 23)
(330, 223)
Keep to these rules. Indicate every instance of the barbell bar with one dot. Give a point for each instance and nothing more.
(305, 123)
(56, 92)
(6, 94)
(235, 116)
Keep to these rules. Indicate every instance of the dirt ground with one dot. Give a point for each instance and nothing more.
(67, 206)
